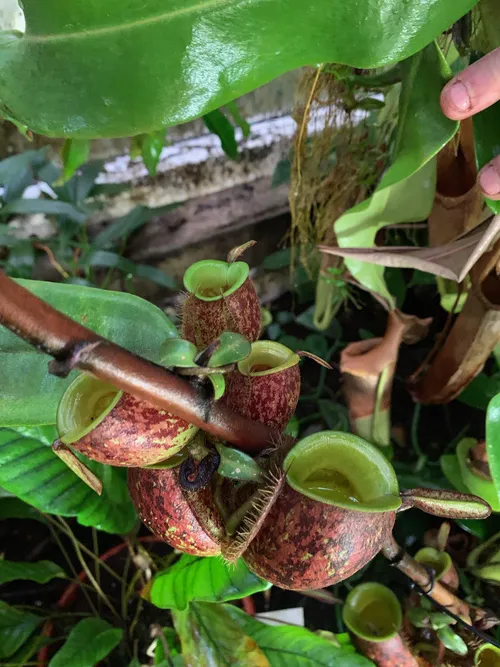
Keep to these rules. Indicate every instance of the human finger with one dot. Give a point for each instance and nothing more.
(474, 89)
(489, 179)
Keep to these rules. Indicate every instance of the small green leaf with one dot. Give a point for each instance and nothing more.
(41, 572)
(15, 628)
(235, 464)
(19, 171)
(295, 647)
(74, 153)
(334, 415)
(241, 122)
(218, 123)
(112, 260)
(451, 470)
(121, 228)
(151, 147)
(203, 579)
(233, 347)
(452, 641)
(179, 353)
(90, 641)
(30, 470)
(277, 260)
(293, 427)
(46, 206)
(218, 384)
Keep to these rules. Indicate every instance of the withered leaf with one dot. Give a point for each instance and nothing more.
(452, 260)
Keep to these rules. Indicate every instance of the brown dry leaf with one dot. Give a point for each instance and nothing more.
(416, 328)
(452, 260)
(457, 358)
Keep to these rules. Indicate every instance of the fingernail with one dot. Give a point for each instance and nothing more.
(489, 180)
(458, 95)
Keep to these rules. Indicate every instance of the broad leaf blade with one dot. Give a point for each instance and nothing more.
(493, 440)
(41, 572)
(114, 315)
(210, 637)
(30, 470)
(89, 641)
(295, 647)
(203, 579)
(81, 62)
(15, 628)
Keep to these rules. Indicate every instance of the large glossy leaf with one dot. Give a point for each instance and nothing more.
(41, 572)
(15, 628)
(295, 647)
(406, 191)
(89, 641)
(28, 393)
(210, 637)
(203, 579)
(30, 470)
(109, 68)
(493, 440)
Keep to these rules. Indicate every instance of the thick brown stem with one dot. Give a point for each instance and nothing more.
(418, 573)
(389, 653)
(56, 334)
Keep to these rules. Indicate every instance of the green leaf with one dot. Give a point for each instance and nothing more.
(15, 628)
(295, 647)
(235, 464)
(47, 206)
(90, 641)
(203, 579)
(241, 122)
(74, 153)
(30, 470)
(406, 191)
(452, 641)
(233, 347)
(451, 470)
(41, 572)
(114, 315)
(334, 415)
(21, 260)
(151, 147)
(179, 353)
(277, 260)
(217, 123)
(218, 383)
(13, 508)
(493, 440)
(111, 260)
(20, 171)
(211, 638)
(119, 69)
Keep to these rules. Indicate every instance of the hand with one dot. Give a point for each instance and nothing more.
(471, 91)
